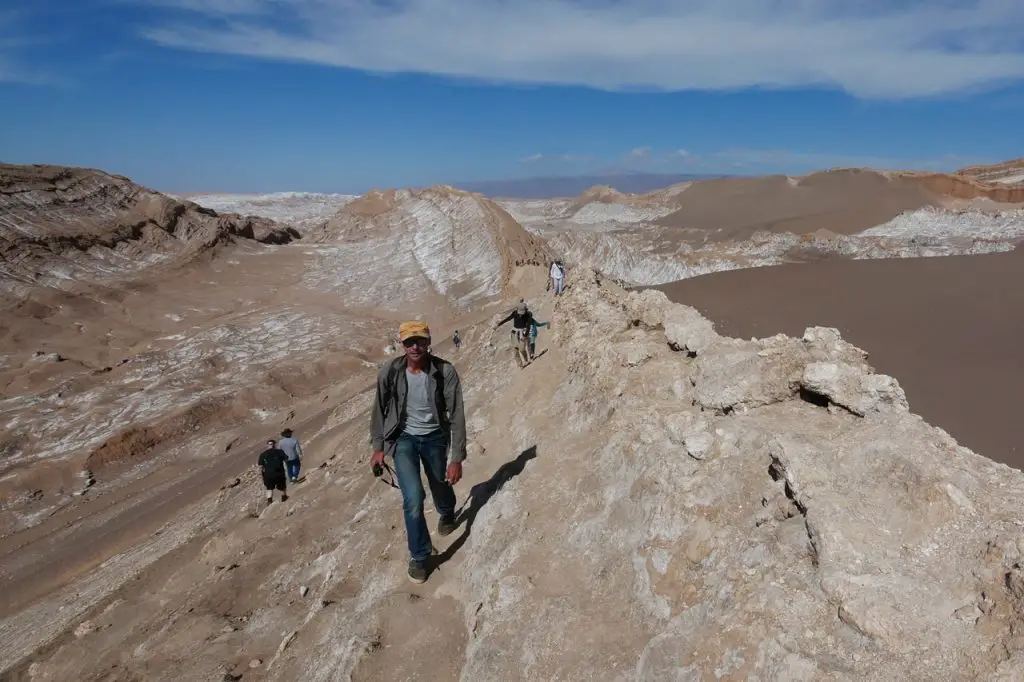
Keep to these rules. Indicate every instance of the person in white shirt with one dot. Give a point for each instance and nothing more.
(557, 274)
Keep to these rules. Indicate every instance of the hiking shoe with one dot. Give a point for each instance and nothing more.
(417, 571)
(284, 498)
(446, 525)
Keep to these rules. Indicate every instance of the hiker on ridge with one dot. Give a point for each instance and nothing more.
(271, 462)
(557, 274)
(290, 445)
(532, 344)
(457, 340)
(521, 319)
(417, 418)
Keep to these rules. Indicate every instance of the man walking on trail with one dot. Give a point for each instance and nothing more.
(521, 321)
(416, 418)
(456, 339)
(293, 451)
(557, 273)
(271, 463)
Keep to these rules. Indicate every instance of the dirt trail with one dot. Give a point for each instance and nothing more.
(438, 601)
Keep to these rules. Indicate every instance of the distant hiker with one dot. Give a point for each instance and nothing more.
(456, 340)
(417, 418)
(532, 344)
(521, 318)
(271, 462)
(557, 274)
(290, 445)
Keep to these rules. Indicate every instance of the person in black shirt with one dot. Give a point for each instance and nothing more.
(272, 466)
(522, 319)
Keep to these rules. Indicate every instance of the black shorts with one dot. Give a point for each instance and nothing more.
(272, 482)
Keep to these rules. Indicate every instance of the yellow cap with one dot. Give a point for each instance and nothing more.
(408, 330)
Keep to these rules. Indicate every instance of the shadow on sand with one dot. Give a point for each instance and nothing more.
(479, 496)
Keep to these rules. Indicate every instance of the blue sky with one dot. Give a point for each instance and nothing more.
(344, 95)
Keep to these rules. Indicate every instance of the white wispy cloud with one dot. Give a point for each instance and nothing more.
(871, 48)
(15, 40)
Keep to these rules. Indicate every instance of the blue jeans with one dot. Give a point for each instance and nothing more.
(559, 285)
(293, 466)
(431, 450)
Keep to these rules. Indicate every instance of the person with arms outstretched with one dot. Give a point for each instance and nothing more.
(521, 320)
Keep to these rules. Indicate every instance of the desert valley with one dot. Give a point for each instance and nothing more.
(770, 434)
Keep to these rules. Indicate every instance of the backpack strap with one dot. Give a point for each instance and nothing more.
(438, 365)
(389, 386)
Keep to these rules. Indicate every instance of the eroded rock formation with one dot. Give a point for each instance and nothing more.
(61, 223)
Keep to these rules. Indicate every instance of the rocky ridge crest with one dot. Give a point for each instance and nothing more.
(649, 500)
(63, 223)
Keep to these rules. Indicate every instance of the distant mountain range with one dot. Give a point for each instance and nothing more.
(570, 186)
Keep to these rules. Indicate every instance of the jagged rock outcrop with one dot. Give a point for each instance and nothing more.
(819, 531)
(59, 223)
(434, 245)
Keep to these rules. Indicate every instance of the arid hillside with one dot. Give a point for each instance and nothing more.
(59, 224)
(1001, 183)
(701, 227)
(644, 486)
(144, 338)
(1006, 173)
(648, 500)
(843, 202)
(436, 246)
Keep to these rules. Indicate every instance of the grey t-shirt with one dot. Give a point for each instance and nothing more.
(419, 418)
(291, 447)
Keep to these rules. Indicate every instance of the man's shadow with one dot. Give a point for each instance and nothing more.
(479, 496)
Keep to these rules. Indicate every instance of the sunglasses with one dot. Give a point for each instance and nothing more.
(416, 341)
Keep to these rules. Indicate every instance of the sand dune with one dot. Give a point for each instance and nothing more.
(843, 202)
